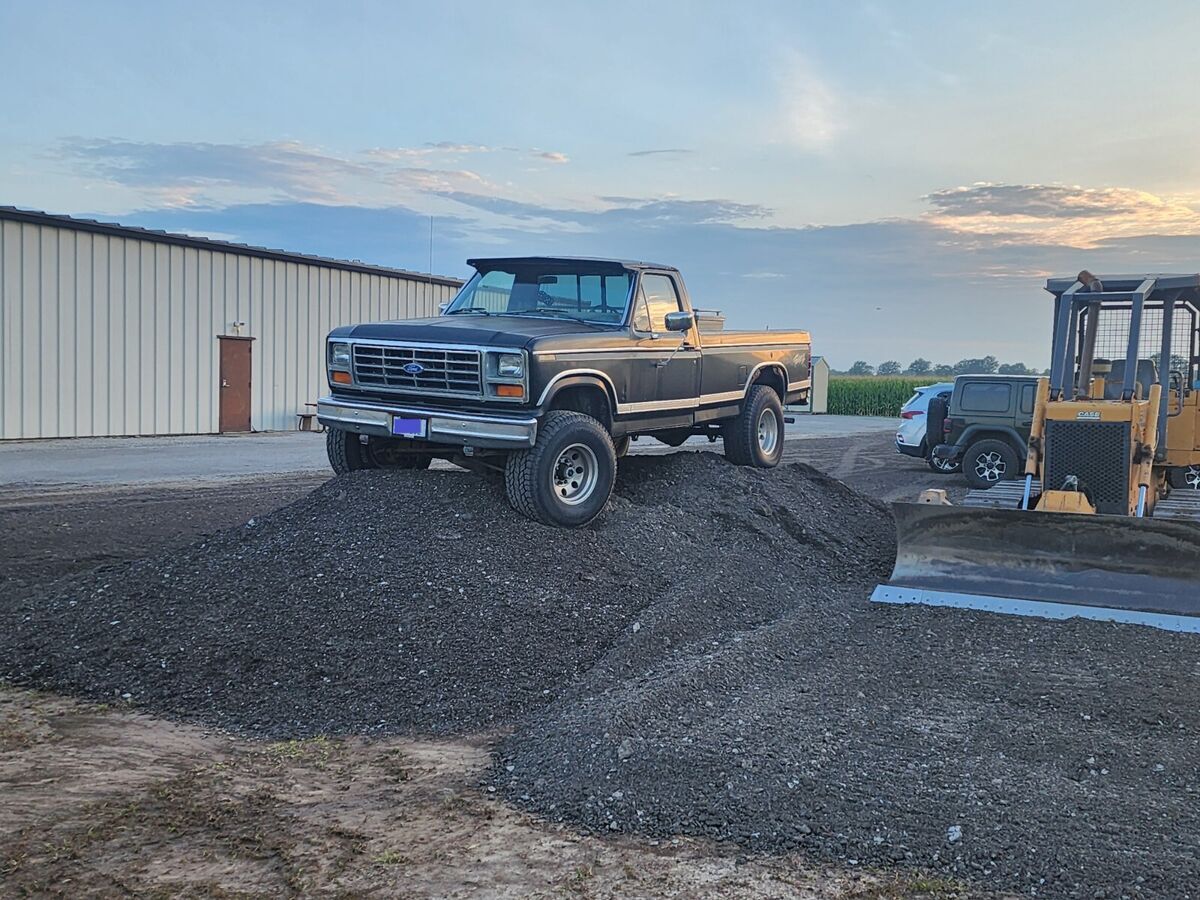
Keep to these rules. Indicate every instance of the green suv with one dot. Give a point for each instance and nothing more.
(985, 426)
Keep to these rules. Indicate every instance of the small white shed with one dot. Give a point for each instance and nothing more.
(818, 395)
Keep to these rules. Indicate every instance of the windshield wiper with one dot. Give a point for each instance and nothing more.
(555, 311)
(466, 309)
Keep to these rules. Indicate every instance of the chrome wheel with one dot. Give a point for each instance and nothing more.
(943, 465)
(575, 474)
(768, 432)
(990, 466)
(1191, 477)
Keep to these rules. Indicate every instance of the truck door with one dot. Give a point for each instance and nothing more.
(667, 369)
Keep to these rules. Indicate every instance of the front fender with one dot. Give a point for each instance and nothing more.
(563, 381)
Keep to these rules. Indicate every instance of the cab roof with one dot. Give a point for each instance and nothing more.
(566, 263)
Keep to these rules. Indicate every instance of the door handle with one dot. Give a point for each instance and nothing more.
(662, 363)
(224, 383)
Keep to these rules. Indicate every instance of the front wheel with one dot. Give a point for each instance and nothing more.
(943, 466)
(755, 437)
(346, 451)
(989, 462)
(567, 476)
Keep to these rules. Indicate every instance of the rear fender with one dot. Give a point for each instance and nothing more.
(973, 433)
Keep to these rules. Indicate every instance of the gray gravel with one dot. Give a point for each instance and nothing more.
(1051, 759)
(382, 602)
(702, 660)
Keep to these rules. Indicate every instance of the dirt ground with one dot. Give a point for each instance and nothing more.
(102, 801)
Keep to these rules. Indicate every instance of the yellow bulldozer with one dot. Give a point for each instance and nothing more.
(1105, 523)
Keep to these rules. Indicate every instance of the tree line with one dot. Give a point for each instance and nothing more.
(987, 365)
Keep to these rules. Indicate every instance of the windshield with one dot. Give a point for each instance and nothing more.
(596, 297)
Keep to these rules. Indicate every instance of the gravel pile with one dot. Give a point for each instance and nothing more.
(1053, 759)
(412, 602)
(702, 660)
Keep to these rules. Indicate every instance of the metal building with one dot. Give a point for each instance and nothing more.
(111, 330)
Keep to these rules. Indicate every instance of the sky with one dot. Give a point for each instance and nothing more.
(898, 178)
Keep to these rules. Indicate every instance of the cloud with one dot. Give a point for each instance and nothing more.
(191, 174)
(646, 212)
(551, 156)
(811, 113)
(429, 149)
(1070, 215)
(1036, 200)
(186, 169)
(666, 151)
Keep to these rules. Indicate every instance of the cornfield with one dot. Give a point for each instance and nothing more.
(872, 395)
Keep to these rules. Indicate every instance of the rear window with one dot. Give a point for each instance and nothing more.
(1028, 392)
(910, 401)
(985, 397)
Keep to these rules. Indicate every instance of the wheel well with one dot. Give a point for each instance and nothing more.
(773, 377)
(1000, 436)
(589, 399)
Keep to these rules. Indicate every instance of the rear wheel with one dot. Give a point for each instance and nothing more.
(567, 476)
(989, 462)
(1185, 478)
(755, 437)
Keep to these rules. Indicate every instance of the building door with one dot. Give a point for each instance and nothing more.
(234, 391)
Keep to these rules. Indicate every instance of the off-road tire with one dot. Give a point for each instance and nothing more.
(741, 435)
(974, 467)
(345, 451)
(1184, 478)
(530, 476)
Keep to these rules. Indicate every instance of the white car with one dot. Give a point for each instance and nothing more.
(910, 438)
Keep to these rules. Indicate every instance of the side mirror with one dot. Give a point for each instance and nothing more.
(679, 321)
(442, 307)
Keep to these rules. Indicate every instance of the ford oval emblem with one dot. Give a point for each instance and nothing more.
(414, 368)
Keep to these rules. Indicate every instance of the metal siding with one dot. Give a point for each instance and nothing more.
(67, 354)
(109, 335)
(138, 277)
(31, 331)
(11, 356)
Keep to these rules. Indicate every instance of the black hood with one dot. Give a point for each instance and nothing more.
(488, 331)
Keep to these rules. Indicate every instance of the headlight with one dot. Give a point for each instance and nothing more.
(339, 355)
(510, 365)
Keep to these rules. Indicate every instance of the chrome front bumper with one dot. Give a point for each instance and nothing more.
(451, 427)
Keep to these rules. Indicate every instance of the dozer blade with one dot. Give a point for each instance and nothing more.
(1050, 565)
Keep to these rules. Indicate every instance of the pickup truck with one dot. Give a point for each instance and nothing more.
(544, 369)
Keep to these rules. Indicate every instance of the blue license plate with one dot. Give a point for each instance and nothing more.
(409, 428)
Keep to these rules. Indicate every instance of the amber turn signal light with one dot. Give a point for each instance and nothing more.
(341, 378)
(510, 390)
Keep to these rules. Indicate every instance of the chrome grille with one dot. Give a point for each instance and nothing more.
(444, 372)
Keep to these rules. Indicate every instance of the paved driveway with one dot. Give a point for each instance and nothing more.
(207, 458)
